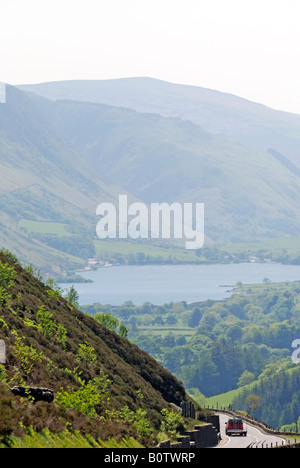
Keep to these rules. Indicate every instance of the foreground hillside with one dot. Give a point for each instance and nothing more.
(103, 385)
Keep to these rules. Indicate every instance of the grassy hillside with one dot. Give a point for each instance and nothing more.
(48, 191)
(42, 179)
(104, 386)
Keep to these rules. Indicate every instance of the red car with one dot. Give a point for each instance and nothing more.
(235, 427)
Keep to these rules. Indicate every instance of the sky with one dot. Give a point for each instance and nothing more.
(250, 48)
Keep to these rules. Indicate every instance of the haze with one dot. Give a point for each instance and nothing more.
(247, 48)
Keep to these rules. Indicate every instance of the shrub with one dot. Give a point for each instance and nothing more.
(3, 375)
(72, 297)
(138, 419)
(7, 281)
(86, 354)
(27, 355)
(91, 398)
(61, 335)
(172, 422)
(47, 325)
(110, 322)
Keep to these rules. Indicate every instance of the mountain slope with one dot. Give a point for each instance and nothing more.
(247, 194)
(43, 179)
(249, 123)
(51, 344)
(60, 159)
(279, 398)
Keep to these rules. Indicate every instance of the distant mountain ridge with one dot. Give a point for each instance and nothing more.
(248, 194)
(249, 123)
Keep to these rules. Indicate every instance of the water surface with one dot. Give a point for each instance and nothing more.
(160, 284)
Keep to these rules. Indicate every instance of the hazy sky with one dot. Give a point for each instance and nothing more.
(250, 48)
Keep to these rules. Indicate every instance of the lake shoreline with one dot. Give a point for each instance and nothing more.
(161, 284)
(118, 265)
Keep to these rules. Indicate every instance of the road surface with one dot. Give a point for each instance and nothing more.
(254, 437)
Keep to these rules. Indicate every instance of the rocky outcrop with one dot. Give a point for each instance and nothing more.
(35, 393)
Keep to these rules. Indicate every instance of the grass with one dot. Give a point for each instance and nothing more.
(167, 252)
(223, 400)
(47, 439)
(291, 244)
(44, 227)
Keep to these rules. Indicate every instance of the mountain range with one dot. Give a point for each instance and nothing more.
(67, 146)
(251, 124)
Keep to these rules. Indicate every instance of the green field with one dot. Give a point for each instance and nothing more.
(224, 400)
(282, 243)
(167, 252)
(44, 227)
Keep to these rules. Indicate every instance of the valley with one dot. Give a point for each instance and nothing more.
(65, 148)
(226, 351)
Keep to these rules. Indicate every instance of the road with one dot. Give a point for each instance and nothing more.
(254, 437)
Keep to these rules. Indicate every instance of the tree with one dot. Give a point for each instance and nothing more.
(266, 281)
(107, 320)
(27, 356)
(46, 324)
(91, 398)
(123, 330)
(246, 378)
(73, 297)
(86, 354)
(113, 324)
(7, 280)
(171, 320)
(253, 403)
(158, 321)
(61, 335)
(195, 318)
(235, 332)
(172, 422)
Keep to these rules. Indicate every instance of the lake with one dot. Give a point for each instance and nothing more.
(160, 284)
